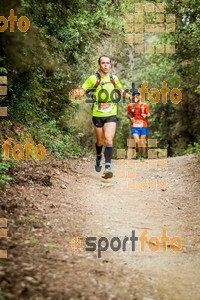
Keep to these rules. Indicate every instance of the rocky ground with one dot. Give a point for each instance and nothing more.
(54, 207)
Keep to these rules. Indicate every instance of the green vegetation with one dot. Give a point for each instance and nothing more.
(193, 149)
(4, 169)
(4, 296)
(61, 49)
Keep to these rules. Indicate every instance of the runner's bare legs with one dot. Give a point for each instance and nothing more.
(105, 135)
(140, 143)
(137, 141)
(143, 145)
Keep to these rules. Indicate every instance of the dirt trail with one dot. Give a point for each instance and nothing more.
(59, 202)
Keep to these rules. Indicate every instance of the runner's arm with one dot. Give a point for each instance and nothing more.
(130, 117)
(129, 114)
(147, 114)
(123, 93)
(88, 84)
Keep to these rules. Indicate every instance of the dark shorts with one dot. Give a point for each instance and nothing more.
(140, 131)
(100, 121)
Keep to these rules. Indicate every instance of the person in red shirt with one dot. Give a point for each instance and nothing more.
(138, 112)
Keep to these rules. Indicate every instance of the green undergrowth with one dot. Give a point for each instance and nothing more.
(60, 143)
(60, 139)
(194, 149)
(5, 167)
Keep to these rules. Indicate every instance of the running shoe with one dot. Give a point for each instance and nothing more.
(107, 173)
(98, 166)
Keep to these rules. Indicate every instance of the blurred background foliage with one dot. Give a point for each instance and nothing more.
(61, 49)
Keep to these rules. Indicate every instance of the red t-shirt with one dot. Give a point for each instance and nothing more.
(135, 110)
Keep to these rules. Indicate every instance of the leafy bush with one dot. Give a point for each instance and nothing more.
(4, 169)
(58, 142)
(194, 149)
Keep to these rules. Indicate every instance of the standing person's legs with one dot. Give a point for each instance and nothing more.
(137, 142)
(139, 136)
(144, 133)
(105, 131)
(99, 145)
(143, 145)
(109, 133)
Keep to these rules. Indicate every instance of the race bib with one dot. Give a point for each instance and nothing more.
(138, 123)
(104, 107)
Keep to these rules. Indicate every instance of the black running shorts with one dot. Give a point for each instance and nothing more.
(100, 121)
